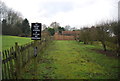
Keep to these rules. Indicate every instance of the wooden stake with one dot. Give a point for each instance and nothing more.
(35, 59)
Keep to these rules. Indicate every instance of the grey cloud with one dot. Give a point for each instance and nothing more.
(53, 8)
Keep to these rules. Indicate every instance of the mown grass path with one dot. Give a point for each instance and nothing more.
(72, 60)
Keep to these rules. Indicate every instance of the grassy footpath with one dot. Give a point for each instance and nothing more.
(72, 60)
(9, 41)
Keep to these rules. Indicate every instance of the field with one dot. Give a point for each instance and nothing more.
(71, 60)
(9, 41)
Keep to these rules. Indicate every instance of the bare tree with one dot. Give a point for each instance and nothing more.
(3, 9)
(13, 17)
(55, 25)
(84, 35)
(115, 31)
(102, 34)
(44, 27)
(67, 27)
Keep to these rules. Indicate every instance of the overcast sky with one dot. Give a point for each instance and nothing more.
(76, 13)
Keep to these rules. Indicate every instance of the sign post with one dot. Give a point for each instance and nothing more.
(35, 35)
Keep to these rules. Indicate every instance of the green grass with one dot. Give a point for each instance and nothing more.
(9, 41)
(72, 60)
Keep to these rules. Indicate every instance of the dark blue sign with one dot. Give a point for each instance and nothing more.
(36, 31)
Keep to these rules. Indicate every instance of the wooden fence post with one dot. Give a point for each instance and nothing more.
(5, 68)
(17, 61)
(11, 64)
(8, 64)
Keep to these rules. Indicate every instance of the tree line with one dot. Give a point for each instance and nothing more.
(13, 22)
(54, 27)
(107, 33)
